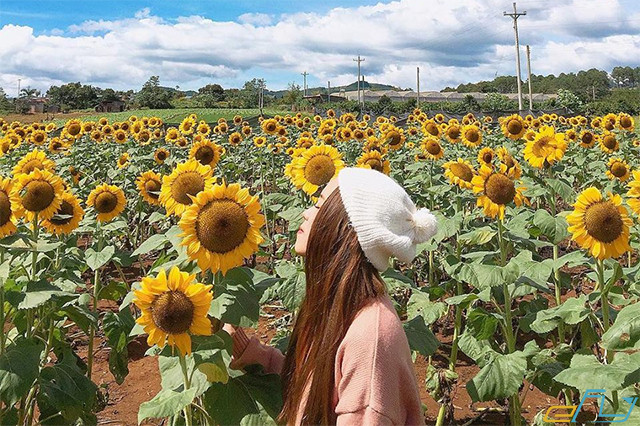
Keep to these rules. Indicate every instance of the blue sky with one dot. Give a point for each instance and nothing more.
(190, 43)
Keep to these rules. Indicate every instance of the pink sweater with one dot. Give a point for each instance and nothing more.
(375, 383)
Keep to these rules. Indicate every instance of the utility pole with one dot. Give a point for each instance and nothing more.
(328, 92)
(261, 96)
(305, 74)
(358, 60)
(593, 90)
(515, 15)
(18, 95)
(529, 73)
(418, 86)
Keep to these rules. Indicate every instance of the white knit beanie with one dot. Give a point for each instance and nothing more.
(385, 219)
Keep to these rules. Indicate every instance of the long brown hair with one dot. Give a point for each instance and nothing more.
(339, 282)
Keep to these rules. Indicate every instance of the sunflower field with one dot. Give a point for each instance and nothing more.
(531, 278)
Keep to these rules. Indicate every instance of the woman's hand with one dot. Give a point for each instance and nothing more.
(231, 329)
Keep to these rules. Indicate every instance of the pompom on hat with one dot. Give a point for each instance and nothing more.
(383, 216)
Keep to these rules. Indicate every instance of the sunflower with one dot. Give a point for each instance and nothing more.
(172, 135)
(259, 141)
(173, 307)
(67, 217)
(625, 122)
(609, 121)
(617, 168)
(187, 126)
(235, 138)
(513, 127)
(37, 193)
(459, 173)
(73, 128)
(486, 156)
(7, 218)
(394, 138)
(123, 161)
(609, 143)
(471, 136)
(120, 136)
(108, 201)
(32, 161)
(57, 146)
(374, 160)
(270, 126)
(160, 155)
(497, 190)
(587, 139)
(547, 148)
(38, 137)
(432, 148)
(599, 225)
(208, 153)
(453, 133)
(149, 184)
(186, 181)
(222, 227)
(634, 192)
(514, 171)
(203, 128)
(315, 167)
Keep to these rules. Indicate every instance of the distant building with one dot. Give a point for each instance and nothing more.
(402, 96)
(110, 106)
(320, 98)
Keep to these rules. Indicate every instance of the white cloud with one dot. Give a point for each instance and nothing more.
(453, 42)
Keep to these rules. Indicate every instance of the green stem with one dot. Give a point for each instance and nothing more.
(431, 272)
(2, 318)
(558, 291)
(34, 261)
(187, 384)
(94, 307)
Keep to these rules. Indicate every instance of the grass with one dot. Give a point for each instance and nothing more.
(173, 116)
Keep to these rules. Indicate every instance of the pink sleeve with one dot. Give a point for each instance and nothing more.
(250, 351)
(365, 416)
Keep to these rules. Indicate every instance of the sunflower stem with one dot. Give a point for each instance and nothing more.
(34, 261)
(187, 385)
(2, 317)
(94, 307)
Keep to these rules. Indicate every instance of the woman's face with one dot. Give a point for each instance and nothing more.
(309, 216)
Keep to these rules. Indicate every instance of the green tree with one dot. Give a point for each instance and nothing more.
(74, 95)
(5, 103)
(293, 96)
(153, 96)
(209, 95)
(496, 102)
(567, 99)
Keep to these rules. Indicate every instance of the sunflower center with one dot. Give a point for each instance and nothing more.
(608, 125)
(514, 127)
(222, 226)
(38, 138)
(31, 165)
(190, 183)
(487, 157)
(453, 132)
(499, 189)
(319, 170)
(66, 209)
(540, 146)
(433, 148)
(270, 127)
(609, 141)
(462, 171)
(172, 312)
(106, 202)
(587, 138)
(162, 155)
(618, 169)
(38, 196)
(625, 122)
(152, 187)
(5, 208)
(204, 155)
(74, 129)
(603, 221)
(394, 138)
(472, 135)
(375, 164)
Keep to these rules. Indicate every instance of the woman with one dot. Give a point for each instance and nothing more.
(348, 361)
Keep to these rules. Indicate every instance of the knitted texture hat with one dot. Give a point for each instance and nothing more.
(383, 216)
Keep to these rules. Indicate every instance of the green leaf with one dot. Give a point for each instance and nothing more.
(117, 328)
(97, 259)
(624, 334)
(499, 378)
(152, 243)
(572, 259)
(479, 351)
(572, 311)
(555, 228)
(481, 324)
(19, 368)
(561, 188)
(166, 403)
(483, 276)
(477, 237)
(586, 372)
(420, 304)
(38, 293)
(68, 389)
(420, 338)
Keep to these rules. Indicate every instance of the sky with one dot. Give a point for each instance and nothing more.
(188, 43)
